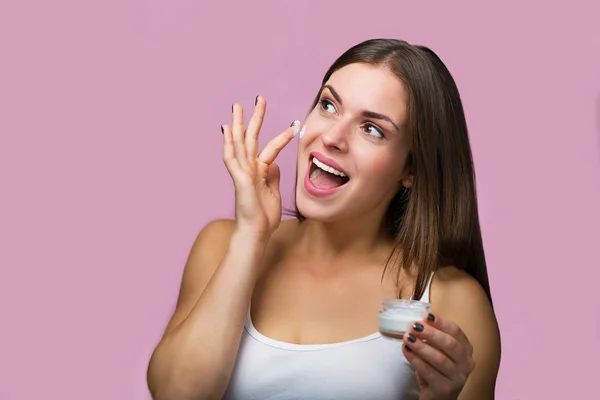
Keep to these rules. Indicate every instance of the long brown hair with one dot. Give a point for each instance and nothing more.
(435, 223)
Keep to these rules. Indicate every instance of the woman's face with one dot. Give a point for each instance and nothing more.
(357, 128)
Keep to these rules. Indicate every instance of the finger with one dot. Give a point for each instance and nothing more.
(449, 327)
(272, 149)
(254, 126)
(229, 158)
(426, 371)
(434, 357)
(440, 340)
(238, 135)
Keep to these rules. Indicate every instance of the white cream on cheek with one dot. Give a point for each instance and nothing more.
(302, 131)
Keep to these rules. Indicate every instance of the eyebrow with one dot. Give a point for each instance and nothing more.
(368, 114)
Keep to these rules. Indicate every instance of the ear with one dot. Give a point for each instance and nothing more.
(407, 181)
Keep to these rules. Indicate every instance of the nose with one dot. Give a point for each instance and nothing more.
(336, 137)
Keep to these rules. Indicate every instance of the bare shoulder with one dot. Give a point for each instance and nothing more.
(210, 246)
(206, 254)
(458, 297)
(452, 288)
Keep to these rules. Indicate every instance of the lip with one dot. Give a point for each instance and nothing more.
(312, 189)
(327, 161)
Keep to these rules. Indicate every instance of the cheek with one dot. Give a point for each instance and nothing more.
(381, 170)
(314, 124)
(379, 167)
(311, 128)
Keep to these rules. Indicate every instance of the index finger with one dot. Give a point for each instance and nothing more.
(433, 338)
(272, 149)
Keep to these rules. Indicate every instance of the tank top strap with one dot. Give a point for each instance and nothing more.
(425, 297)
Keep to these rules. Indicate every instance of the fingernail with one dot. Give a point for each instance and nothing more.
(303, 131)
(232, 108)
(411, 338)
(407, 347)
(222, 130)
(256, 100)
(296, 125)
(418, 327)
(430, 317)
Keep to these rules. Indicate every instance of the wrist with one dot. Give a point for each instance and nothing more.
(248, 239)
(246, 251)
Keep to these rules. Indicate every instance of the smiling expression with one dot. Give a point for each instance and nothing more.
(355, 146)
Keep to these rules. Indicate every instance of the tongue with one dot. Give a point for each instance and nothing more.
(325, 180)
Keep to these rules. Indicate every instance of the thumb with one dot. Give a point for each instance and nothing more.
(273, 175)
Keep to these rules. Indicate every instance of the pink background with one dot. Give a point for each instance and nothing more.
(110, 164)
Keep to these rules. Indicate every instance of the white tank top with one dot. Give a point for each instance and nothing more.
(371, 367)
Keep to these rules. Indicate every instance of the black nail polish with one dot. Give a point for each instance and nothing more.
(430, 318)
(232, 108)
(222, 130)
(411, 338)
(407, 347)
(292, 124)
(418, 327)
(256, 100)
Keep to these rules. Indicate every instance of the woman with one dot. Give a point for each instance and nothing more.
(385, 207)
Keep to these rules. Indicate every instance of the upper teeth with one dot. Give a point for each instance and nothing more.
(327, 167)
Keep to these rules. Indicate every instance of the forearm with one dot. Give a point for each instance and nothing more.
(195, 359)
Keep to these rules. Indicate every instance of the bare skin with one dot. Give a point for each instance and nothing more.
(289, 298)
(315, 282)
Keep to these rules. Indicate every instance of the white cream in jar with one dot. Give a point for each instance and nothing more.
(398, 315)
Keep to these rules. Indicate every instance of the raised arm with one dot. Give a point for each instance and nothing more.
(196, 355)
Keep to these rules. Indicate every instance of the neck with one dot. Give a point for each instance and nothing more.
(344, 239)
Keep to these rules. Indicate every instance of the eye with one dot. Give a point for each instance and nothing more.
(327, 106)
(373, 130)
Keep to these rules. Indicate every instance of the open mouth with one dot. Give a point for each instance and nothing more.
(323, 176)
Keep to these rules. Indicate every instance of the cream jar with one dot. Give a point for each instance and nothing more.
(398, 315)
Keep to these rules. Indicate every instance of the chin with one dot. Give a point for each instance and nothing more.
(316, 210)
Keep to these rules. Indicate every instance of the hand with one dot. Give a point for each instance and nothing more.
(443, 361)
(255, 177)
